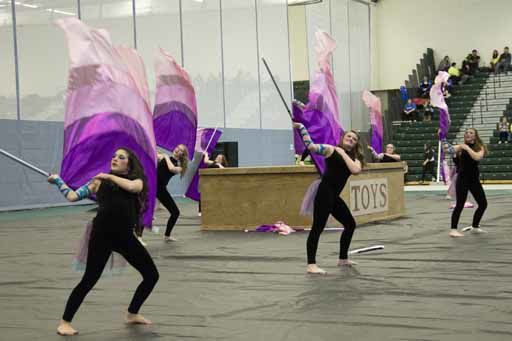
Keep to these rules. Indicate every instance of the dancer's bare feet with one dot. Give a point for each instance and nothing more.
(65, 329)
(136, 319)
(314, 269)
(346, 262)
(168, 239)
(456, 234)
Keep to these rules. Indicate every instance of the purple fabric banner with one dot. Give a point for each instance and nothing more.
(107, 108)
(373, 103)
(320, 116)
(175, 112)
(437, 100)
(298, 143)
(204, 135)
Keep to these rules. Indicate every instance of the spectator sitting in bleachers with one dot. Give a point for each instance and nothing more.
(494, 60)
(503, 129)
(428, 162)
(388, 156)
(409, 113)
(456, 75)
(425, 86)
(444, 65)
(503, 61)
(428, 111)
(473, 61)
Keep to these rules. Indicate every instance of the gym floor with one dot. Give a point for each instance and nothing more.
(253, 286)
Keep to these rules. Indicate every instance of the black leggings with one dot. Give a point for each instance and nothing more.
(428, 169)
(165, 198)
(328, 202)
(100, 248)
(462, 186)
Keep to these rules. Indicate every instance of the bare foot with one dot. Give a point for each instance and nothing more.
(314, 269)
(65, 329)
(136, 319)
(346, 262)
(168, 239)
(456, 234)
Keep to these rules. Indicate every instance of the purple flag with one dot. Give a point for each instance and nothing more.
(437, 100)
(320, 116)
(204, 136)
(107, 107)
(298, 143)
(175, 112)
(373, 103)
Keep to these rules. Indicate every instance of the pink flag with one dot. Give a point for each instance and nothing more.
(107, 108)
(321, 114)
(373, 103)
(437, 100)
(175, 112)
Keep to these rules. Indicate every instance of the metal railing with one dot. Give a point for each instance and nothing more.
(486, 95)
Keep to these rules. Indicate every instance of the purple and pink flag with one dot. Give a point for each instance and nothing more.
(107, 108)
(175, 111)
(375, 106)
(321, 114)
(437, 100)
(206, 141)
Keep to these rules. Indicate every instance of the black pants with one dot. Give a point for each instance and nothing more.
(428, 168)
(409, 117)
(503, 65)
(328, 202)
(165, 198)
(503, 136)
(101, 246)
(462, 186)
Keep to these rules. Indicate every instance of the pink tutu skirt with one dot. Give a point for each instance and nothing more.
(115, 264)
(308, 203)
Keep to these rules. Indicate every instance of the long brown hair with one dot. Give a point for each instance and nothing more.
(183, 159)
(357, 151)
(223, 160)
(136, 171)
(479, 145)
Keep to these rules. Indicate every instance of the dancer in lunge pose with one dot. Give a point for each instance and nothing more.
(468, 179)
(341, 162)
(122, 197)
(168, 166)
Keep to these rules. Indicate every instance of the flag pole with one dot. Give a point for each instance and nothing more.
(277, 88)
(211, 138)
(24, 163)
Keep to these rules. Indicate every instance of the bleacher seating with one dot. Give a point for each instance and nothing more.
(410, 137)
